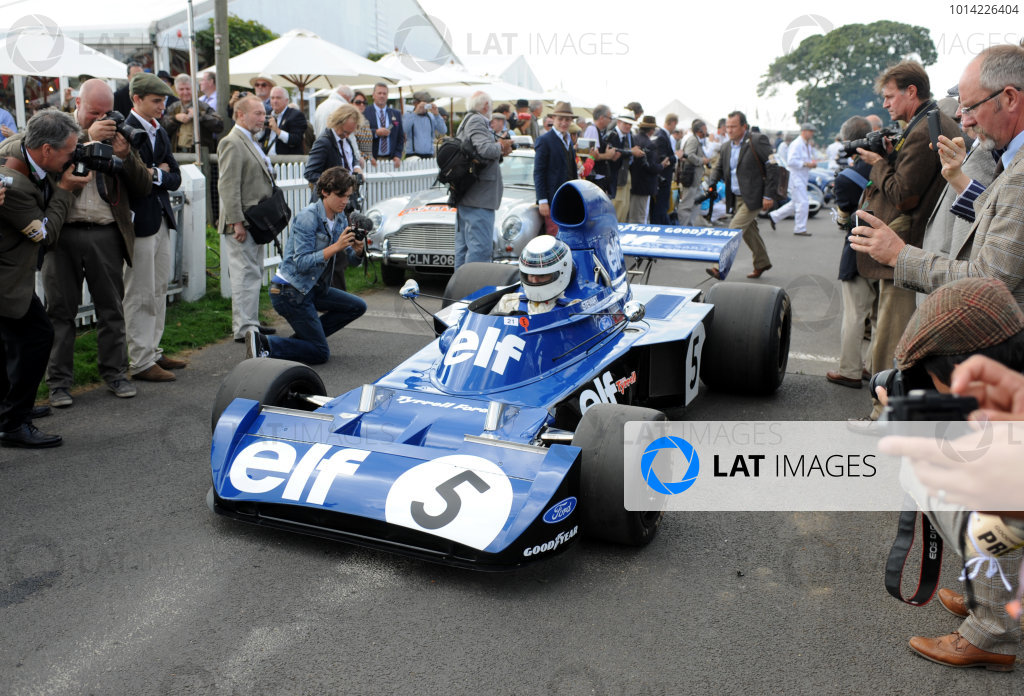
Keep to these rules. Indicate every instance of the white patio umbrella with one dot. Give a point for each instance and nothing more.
(42, 51)
(308, 62)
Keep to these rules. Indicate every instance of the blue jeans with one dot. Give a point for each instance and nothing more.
(309, 345)
(474, 234)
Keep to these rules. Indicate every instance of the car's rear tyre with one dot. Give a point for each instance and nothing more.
(392, 276)
(271, 382)
(600, 436)
(747, 347)
(470, 277)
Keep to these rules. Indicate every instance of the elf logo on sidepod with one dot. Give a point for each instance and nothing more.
(560, 510)
(467, 343)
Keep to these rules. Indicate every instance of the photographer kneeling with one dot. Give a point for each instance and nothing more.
(968, 317)
(302, 285)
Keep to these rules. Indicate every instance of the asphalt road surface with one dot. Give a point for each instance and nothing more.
(115, 578)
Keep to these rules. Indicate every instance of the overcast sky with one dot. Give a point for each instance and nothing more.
(710, 56)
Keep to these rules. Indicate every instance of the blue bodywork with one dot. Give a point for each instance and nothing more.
(461, 454)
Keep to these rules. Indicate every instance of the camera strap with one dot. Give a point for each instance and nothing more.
(931, 558)
(921, 115)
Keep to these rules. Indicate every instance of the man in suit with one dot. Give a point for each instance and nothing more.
(388, 136)
(994, 246)
(246, 179)
(474, 215)
(621, 139)
(32, 212)
(645, 171)
(95, 243)
(664, 149)
(747, 184)
(554, 162)
(286, 126)
(145, 281)
(905, 185)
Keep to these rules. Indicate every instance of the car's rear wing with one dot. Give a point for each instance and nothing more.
(676, 242)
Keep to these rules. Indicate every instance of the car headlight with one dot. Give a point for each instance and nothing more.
(511, 228)
(376, 217)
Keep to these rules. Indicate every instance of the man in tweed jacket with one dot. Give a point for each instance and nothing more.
(991, 88)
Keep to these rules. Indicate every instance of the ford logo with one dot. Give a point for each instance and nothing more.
(560, 510)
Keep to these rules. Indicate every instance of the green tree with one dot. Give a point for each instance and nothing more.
(243, 36)
(837, 71)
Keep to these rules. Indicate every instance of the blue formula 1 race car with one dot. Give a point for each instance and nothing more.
(501, 441)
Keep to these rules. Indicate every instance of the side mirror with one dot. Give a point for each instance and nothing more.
(634, 311)
(411, 290)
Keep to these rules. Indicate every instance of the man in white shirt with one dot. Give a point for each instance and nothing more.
(801, 161)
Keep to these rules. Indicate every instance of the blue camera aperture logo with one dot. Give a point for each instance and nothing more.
(689, 455)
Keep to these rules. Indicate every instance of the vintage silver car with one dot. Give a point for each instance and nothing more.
(418, 232)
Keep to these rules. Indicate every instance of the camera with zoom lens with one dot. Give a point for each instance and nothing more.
(361, 225)
(98, 157)
(872, 142)
(129, 133)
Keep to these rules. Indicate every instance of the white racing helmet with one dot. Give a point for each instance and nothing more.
(550, 258)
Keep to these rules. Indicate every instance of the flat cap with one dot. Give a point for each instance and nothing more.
(148, 83)
(961, 317)
(422, 96)
(809, 127)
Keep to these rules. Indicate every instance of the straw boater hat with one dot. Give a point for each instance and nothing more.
(563, 109)
(265, 78)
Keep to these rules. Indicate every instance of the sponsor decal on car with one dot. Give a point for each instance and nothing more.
(253, 469)
(467, 344)
(427, 209)
(553, 544)
(405, 399)
(605, 388)
(523, 322)
(560, 510)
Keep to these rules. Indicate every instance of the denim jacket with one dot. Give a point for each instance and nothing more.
(304, 262)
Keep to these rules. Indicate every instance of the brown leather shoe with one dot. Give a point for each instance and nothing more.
(758, 272)
(713, 272)
(836, 378)
(170, 363)
(953, 603)
(154, 373)
(956, 651)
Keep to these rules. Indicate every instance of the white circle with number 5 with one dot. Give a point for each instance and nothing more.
(460, 497)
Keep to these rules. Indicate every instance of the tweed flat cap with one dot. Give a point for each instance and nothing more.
(961, 317)
(148, 83)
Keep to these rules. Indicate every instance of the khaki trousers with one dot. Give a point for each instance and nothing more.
(746, 219)
(145, 298)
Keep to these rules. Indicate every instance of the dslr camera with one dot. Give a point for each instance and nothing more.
(361, 225)
(710, 194)
(132, 135)
(872, 142)
(912, 397)
(98, 157)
